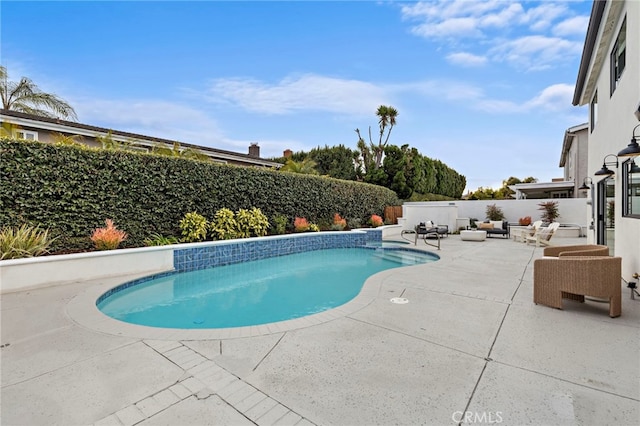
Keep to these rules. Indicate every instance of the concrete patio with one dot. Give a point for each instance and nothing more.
(470, 344)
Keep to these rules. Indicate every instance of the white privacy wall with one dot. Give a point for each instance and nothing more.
(574, 211)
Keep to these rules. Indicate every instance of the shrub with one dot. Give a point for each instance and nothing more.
(193, 227)
(108, 238)
(524, 221)
(354, 222)
(338, 223)
(251, 222)
(300, 224)
(375, 221)
(314, 228)
(224, 225)
(69, 190)
(279, 224)
(159, 240)
(549, 211)
(25, 241)
(494, 212)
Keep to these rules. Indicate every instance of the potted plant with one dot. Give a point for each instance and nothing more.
(524, 221)
(494, 212)
(549, 211)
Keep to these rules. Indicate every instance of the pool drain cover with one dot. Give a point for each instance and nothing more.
(399, 300)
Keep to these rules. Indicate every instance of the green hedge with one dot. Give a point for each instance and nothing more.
(72, 190)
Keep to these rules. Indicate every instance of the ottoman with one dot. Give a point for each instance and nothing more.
(473, 235)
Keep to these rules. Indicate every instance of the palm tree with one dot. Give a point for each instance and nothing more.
(387, 117)
(306, 166)
(177, 151)
(25, 96)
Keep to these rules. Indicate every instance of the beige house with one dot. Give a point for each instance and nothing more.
(43, 129)
(573, 159)
(608, 81)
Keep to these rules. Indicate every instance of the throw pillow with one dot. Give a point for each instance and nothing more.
(497, 224)
(485, 225)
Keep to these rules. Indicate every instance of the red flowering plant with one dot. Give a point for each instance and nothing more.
(375, 221)
(300, 224)
(338, 223)
(108, 238)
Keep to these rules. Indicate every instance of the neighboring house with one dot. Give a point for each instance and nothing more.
(574, 157)
(608, 81)
(557, 188)
(43, 129)
(573, 160)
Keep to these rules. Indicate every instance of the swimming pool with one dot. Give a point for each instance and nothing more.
(256, 292)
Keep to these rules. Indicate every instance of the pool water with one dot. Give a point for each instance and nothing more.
(257, 292)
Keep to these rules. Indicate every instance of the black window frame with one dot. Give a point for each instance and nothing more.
(627, 187)
(593, 111)
(618, 61)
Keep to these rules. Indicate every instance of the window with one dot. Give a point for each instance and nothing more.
(630, 189)
(593, 111)
(618, 56)
(26, 134)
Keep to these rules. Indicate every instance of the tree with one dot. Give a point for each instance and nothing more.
(386, 120)
(503, 193)
(25, 96)
(306, 166)
(177, 151)
(337, 161)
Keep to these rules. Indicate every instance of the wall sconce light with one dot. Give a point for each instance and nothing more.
(605, 171)
(585, 186)
(634, 167)
(633, 148)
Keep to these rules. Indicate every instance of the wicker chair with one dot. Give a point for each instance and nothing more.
(573, 277)
(576, 250)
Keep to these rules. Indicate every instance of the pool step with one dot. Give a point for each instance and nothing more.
(403, 257)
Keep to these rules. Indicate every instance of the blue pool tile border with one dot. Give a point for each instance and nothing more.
(194, 258)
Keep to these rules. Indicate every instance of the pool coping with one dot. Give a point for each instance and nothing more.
(83, 310)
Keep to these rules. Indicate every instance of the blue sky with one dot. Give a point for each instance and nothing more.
(484, 86)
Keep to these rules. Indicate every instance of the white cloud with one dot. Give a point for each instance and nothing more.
(572, 26)
(542, 38)
(554, 98)
(503, 18)
(541, 17)
(557, 97)
(157, 118)
(307, 92)
(455, 27)
(466, 59)
(536, 52)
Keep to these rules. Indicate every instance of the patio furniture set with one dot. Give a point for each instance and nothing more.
(564, 272)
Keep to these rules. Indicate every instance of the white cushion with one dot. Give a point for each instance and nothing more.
(497, 224)
(428, 224)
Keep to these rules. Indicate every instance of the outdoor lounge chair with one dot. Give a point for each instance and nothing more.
(574, 277)
(426, 230)
(429, 229)
(543, 236)
(529, 232)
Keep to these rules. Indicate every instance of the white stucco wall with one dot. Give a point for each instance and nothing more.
(614, 125)
(33, 272)
(572, 211)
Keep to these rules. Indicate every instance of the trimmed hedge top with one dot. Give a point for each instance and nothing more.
(72, 190)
